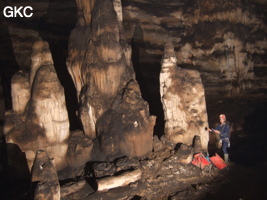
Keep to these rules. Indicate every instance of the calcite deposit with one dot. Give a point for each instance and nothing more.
(224, 40)
(112, 109)
(99, 67)
(127, 128)
(39, 119)
(183, 100)
(44, 177)
(79, 149)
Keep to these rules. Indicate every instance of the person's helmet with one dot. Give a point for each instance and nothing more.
(223, 116)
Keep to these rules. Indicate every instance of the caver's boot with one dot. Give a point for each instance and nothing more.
(226, 158)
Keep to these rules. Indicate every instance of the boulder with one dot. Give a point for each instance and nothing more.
(185, 154)
(79, 149)
(127, 128)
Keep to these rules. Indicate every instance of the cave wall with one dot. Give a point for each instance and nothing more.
(225, 41)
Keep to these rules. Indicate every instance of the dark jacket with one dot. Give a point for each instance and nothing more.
(224, 130)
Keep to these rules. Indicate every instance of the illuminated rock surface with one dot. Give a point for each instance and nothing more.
(183, 100)
(39, 121)
(112, 109)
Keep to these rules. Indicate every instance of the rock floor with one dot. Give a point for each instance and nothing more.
(188, 182)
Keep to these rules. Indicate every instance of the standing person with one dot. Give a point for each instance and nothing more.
(223, 131)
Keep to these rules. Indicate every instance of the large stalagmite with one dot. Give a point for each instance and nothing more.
(39, 119)
(100, 65)
(183, 100)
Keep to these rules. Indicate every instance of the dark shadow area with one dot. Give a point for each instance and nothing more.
(136, 197)
(177, 146)
(8, 63)
(248, 144)
(15, 175)
(55, 28)
(14, 172)
(89, 171)
(249, 148)
(239, 182)
(147, 76)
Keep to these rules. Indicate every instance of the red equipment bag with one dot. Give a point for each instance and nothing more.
(200, 161)
(218, 161)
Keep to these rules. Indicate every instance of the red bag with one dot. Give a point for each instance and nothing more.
(200, 161)
(218, 161)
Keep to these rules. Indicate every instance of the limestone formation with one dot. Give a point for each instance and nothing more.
(100, 65)
(121, 180)
(104, 169)
(71, 188)
(157, 144)
(84, 9)
(197, 148)
(79, 149)
(39, 119)
(224, 40)
(127, 128)
(185, 154)
(112, 109)
(20, 92)
(44, 174)
(183, 99)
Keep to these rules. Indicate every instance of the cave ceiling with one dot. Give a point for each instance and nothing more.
(224, 40)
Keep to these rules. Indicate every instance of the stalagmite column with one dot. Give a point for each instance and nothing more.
(39, 120)
(102, 67)
(85, 8)
(45, 175)
(112, 111)
(20, 92)
(183, 100)
(41, 55)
